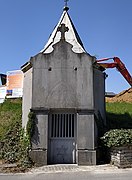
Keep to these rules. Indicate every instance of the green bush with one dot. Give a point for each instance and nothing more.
(117, 137)
(25, 145)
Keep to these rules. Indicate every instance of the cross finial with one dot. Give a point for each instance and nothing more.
(66, 8)
(63, 29)
(66, 2)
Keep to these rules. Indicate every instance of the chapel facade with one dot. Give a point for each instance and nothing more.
(66, 91)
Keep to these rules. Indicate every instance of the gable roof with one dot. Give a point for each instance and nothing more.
(71, 36)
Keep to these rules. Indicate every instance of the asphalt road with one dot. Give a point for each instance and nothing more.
(69, 176)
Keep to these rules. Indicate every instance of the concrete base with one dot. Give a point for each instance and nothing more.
(39, 157)
(87, 157)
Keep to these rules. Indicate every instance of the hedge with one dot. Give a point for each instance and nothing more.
(117, 137)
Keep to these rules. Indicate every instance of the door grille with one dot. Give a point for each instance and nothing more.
(62, 125)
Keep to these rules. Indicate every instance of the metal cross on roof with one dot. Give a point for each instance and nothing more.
(63, 29)
(66, 2)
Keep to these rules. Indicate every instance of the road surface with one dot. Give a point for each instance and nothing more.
(72, 173)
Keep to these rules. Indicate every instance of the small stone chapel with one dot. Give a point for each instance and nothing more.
(66, 91)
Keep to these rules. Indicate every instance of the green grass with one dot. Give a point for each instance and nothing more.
(10, 114)
(119, 115)
(119, 108)
(14, 143)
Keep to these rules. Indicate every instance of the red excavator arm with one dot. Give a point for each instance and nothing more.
(119, 66)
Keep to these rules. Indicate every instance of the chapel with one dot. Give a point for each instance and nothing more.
(65, 91)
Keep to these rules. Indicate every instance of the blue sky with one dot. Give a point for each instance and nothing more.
(105, 27)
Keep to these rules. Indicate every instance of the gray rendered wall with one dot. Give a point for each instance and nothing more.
(99, 92)
(86, 139)
(85, 132)
(63, 79)
(40, 139)
(27, 96)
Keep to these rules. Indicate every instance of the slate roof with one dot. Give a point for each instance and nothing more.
(71, 36)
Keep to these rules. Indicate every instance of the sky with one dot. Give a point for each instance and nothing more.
(104, 26)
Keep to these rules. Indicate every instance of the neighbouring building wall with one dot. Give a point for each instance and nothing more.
(2, 93)
(14, 84)
(27, 96)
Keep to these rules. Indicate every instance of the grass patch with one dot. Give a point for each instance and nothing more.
(119, 115)
(10, 114)
(14, 143)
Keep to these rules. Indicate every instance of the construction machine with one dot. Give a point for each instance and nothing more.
(118, 64)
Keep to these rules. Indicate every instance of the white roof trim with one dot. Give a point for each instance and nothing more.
(70, 36)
